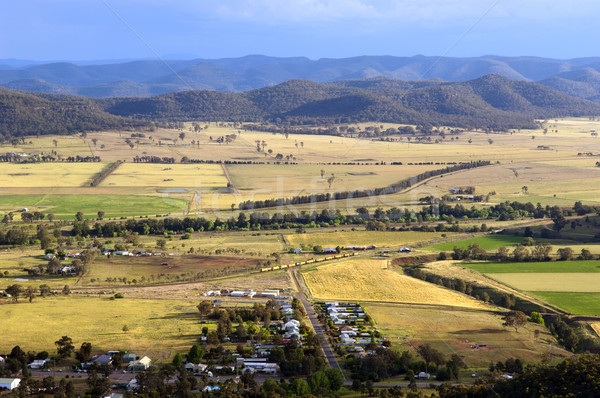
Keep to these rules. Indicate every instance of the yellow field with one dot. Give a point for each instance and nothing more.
(156, 327)
(550, 282)
(48, 175)
(360, 238)
(200, 176)
(370, 280)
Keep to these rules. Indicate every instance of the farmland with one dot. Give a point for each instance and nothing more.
(569, 285)
(488, 242)
(452, 331)
(359, 238)
(155, 326)
(372, 280)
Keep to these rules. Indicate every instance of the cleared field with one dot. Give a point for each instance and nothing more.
(302, 179)
(548, 183)
(550, 282)
(171, 268)
(488, 242)
(371, 280)
(536, 267)
(65, 145)
(156, 327)
(200, 176)
(48, 174)
(360, 238)
(65, 206)
(456, 331)
(575, 303)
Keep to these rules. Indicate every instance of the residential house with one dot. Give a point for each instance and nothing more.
(298, 250)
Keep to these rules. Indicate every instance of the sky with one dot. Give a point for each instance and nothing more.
(87, 30)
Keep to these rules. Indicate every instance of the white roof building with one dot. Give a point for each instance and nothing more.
(9, 384)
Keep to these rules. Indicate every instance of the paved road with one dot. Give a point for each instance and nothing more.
(310, 312)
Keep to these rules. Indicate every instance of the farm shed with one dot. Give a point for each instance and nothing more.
(9, 384)
(141, 364)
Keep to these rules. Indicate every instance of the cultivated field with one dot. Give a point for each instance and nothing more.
(573, 286)
(372, 280)
(200, 177)
(487, 242)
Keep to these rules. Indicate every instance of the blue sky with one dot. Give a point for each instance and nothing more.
(90, 30)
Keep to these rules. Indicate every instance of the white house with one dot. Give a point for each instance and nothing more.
(38, 364)
(9, 384)
(141, 364)
(291, 324)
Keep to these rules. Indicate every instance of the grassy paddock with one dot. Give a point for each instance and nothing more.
(488, 242)
(334, 238)
(455, 331)
(156, 327)
(65, 206)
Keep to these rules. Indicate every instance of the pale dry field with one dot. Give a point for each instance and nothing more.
(195, 176)
(48, 175)
(360, 238)
(371, 280)
(551, 282)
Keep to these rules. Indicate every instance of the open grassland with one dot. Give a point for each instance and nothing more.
(65, 206)
(336, 238)
(536, 267)
(551, 282)
(156, 327)
(456, 331)
(372, 280)
(48, 175)
(65, 145)
(488, 242)
(587, 303)
(302, 179)
(197, 176)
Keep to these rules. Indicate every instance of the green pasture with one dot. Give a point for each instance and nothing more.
(65, 206)
(536, 267)
(581, 303)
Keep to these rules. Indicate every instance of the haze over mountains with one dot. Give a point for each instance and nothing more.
(576, 77)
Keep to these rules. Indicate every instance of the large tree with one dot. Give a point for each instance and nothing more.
(64, 346)
(515, 319)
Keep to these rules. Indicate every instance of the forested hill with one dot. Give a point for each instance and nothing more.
(491, 101)
(25, 114)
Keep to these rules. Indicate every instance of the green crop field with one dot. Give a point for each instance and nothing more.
(65, 206)
(536, 267)
(573, 302)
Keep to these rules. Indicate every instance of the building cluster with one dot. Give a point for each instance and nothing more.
(249, 293)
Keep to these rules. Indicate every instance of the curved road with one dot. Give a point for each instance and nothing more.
(310, 312)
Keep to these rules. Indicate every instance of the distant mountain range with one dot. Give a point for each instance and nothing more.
(577, 77)
(492, 101)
